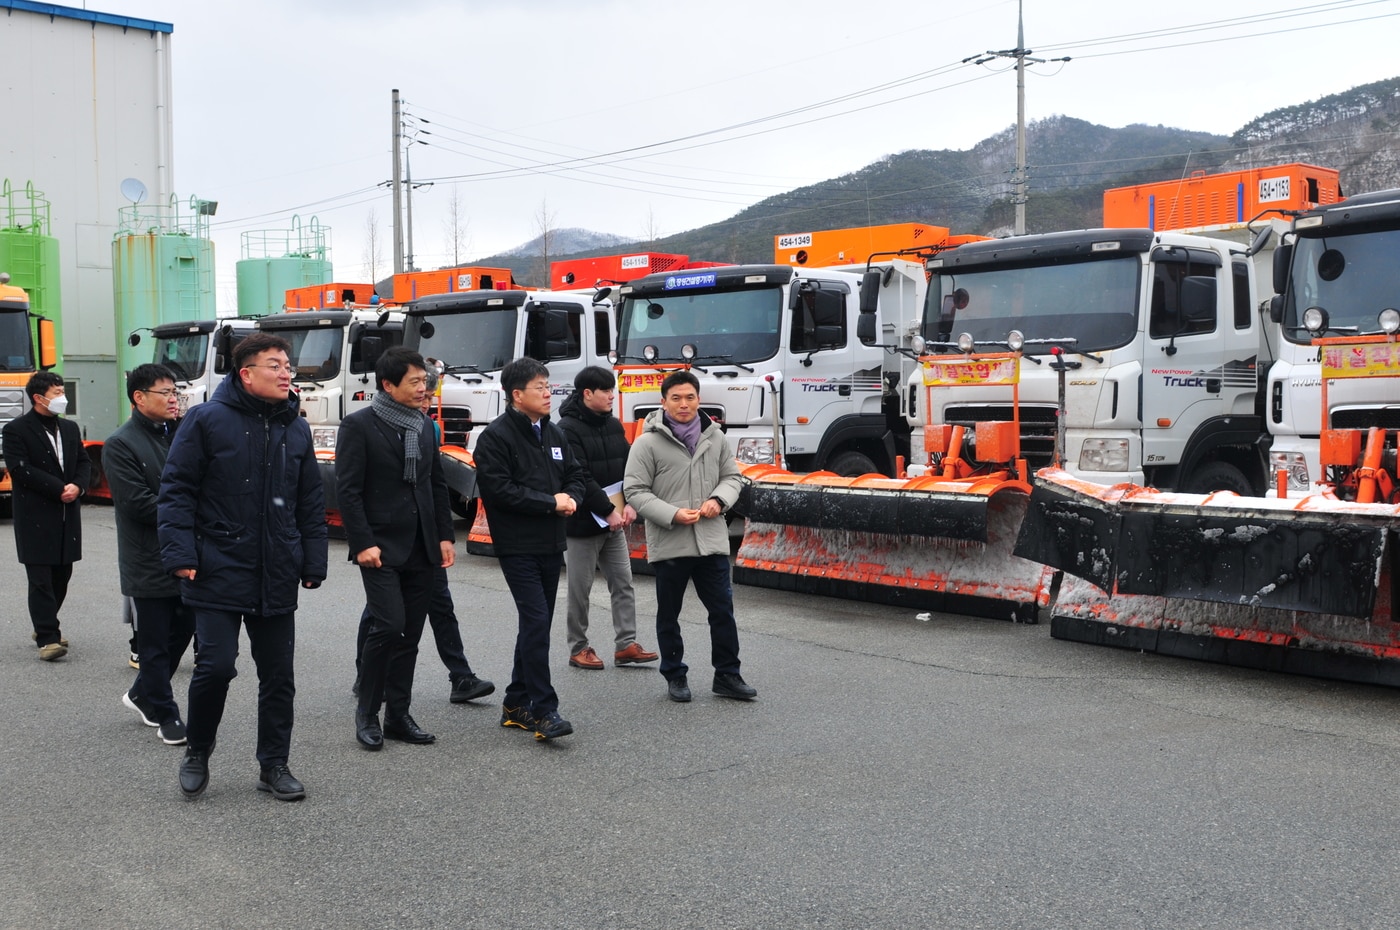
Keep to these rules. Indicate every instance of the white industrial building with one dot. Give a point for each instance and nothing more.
(87, 104)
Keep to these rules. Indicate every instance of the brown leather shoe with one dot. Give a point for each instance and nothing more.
(633, 654)
(586, 658)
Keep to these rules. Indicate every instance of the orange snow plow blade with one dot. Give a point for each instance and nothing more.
(932, 543)
(1301, 585)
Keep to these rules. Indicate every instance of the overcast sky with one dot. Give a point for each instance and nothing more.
(639, 116)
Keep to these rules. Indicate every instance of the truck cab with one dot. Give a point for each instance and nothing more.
(27, 345)
(198, 353)
(472, 334)
(1160, 333)
(1339, 261)
(784, 365)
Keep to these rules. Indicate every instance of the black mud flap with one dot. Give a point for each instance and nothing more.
(899, 513)
(1073, 532)
(461, 477)
(1289, 560)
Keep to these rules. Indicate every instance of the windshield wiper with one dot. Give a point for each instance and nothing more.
(458, 369)
(721, 360)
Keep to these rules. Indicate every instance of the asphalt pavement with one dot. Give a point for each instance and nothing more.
(893, 773)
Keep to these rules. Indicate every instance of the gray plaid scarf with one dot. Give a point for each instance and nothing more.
(408, 419)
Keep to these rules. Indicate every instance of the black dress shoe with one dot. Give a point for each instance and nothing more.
(730, 685)
(194, 773)
(406, 730)
(367, 731)
(281, 783)
(678, 690)
(469, 688)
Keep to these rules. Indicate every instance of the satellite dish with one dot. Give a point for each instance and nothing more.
(134, 190)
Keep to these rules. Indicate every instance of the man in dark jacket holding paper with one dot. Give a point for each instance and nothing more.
(597, 531)
(242, 520)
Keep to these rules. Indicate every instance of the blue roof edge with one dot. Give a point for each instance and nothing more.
(68, 12)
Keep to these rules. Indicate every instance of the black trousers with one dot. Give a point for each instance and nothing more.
(167, 626)
(272, 641)
(48, 586)
(534, 582)
(442, 619)
(397, 600)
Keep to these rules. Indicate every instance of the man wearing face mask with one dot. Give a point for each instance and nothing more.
(50, 471)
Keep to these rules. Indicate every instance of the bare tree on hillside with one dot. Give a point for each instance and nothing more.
(456, 227)
(544, 225)
(374, 246)
(651, 230)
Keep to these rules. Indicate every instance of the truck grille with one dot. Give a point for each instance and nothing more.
(456, 425)
(1037, 427)
(1366, 417)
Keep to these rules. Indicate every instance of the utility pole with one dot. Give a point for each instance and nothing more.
(398, 188)
(1022, 55)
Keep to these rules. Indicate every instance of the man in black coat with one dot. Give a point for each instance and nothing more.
(393, 503)
(50, 472)
(242, 520)
(529, 483)
(133, 458)
(600, 445)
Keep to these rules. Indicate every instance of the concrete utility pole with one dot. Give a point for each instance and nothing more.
(398, 188)
(1022, 55)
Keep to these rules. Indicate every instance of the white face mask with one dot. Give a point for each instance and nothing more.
(57, 405)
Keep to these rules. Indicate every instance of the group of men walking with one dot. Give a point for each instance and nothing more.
(220, 524)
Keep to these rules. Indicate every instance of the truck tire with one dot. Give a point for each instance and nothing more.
(851, 465)
(1220, 476)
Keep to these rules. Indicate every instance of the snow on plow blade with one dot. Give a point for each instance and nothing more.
(1314, 554)
(1303, 586)
(923, 542)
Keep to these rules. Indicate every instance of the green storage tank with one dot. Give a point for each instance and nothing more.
(29, 254)
(275, 261)
(162, 272)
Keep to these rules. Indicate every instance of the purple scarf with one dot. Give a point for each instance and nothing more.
(688, 433)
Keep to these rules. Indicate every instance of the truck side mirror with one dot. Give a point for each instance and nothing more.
(48, 344)
(223, 349)
(1283, 257)
(1276, 308)
(371, 347)
(866, 326)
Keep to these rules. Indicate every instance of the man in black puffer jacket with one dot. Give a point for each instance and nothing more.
(242, 520)
(600, 445)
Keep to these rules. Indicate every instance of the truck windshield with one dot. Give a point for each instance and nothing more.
(1353, 277)
(737, 326)
(315, 351)
(16, 350)
(1094, 302)
(183, 355)
(480, 339)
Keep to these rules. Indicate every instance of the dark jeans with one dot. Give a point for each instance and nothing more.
(48, 586)
(272, 641)
(710, 575)
(397, 600)
(533, 581)
(167, 626)
(442, 618)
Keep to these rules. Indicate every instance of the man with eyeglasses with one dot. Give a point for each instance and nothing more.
(133, 458)
(393, 502)
(242, 521)
(529, 482)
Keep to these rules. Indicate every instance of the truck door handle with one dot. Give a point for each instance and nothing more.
(1212, 385)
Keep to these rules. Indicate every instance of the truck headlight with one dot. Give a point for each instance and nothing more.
(1296, 464)
(755, 451)
(1104, 455)
(323, 437)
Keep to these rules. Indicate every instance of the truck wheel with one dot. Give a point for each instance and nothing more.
(1220, 476)
(851, 465)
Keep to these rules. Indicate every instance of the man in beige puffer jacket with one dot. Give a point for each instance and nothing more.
(681, 478)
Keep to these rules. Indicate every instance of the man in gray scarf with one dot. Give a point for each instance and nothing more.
(394, 505)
